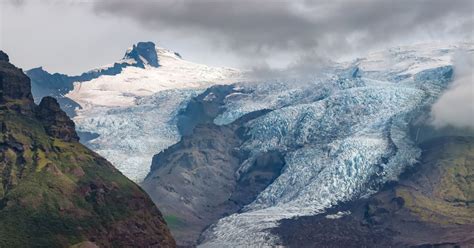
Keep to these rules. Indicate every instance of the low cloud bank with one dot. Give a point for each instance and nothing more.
(455, 107)
(265, 29)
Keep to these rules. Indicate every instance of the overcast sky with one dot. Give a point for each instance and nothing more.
(74, 36)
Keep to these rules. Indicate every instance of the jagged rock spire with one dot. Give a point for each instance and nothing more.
(143, 53)
(15, 87)
(4, 57)
(15, 94)
(55, 121)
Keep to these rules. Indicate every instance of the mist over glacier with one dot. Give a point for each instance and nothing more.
(455, 107)
(343, 135)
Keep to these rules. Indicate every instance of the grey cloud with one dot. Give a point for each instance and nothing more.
(456, 106)
(303, 69)
(237, 33)
(242, 25)
(17, 3)
(331, 27)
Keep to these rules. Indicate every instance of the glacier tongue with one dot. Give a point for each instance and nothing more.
(334, 145)
(343, 136)
(130, 136)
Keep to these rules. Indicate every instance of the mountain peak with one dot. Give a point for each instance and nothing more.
(15, 89)
(56, 122)
(4, 56)
(143, 53)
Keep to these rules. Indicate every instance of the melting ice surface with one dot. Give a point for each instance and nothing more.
(342, 135)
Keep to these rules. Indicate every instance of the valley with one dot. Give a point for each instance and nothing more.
(231, 161)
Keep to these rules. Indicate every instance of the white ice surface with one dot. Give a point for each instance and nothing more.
(173, 73)
(130, 136)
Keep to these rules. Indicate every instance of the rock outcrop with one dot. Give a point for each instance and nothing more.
(55, 121)
(15, 88)
(4, 57)
(54, 192)
(143, 53)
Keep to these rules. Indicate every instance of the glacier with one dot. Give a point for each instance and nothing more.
(134, 82)
(129, 136)
(132, 114)
(343, 135)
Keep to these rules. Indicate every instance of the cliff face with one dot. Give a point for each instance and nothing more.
(431, 206)
(15, 88)
(56, 123)
(54, 192)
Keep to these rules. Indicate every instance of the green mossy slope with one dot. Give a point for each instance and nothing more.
(54, 192)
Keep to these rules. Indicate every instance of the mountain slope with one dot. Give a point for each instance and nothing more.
(55, 192)
(183, 178)
(57, 85)
(133, 100)
(133, 82)
(431, 206)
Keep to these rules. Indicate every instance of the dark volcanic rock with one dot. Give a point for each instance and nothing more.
(195, 182)
(55, 192)
(203, 108)
(4, 57)
(431, 206)
(145, 50)
(262, 173)
(44, 83)
(15, 89)
(55, 121)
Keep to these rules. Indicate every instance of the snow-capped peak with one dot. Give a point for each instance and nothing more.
(144, 53)
(148, 88)
(163, 52)
(148, 69)
(147, 53)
